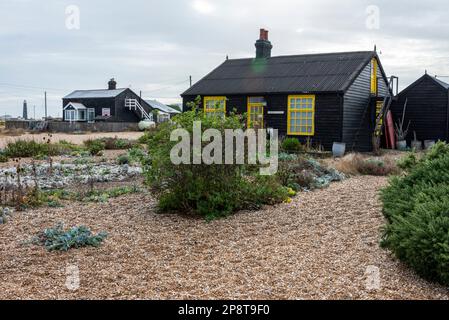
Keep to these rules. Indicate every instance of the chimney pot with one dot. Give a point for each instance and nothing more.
(112, 84)
(263, 45)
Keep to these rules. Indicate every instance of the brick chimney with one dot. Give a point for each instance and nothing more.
(112, 84)
(263, 45)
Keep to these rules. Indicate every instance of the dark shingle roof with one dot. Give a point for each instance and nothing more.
(162, 107)
(103, 93)
(442, 83)
(302, 73)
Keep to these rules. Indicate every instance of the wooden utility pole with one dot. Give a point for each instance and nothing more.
(45, 106)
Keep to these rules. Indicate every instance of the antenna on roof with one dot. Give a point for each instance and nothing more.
(375, 48)
(227, 57)
(425, 71)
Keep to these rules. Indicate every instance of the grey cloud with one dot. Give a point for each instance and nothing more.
(155, 45)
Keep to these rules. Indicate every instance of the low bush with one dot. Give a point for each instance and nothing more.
(55, 196)
(211, 191)
(217, 199)
(408, 162)
(117, 143)
(137, 155)
(95, 147)
(26, 149)
(3, 157)
(58, 239)
(123, 159)
(356, 164)
(105, 195)
(31, 148)
(291, 145)
(416, 206)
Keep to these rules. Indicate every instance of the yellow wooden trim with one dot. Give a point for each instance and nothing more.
(256, 104)
(217, 99)
(374, 76)
(289, 132)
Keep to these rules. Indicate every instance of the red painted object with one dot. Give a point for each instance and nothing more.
(389, 131)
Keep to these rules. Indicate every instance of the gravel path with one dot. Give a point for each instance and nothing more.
(318, 247)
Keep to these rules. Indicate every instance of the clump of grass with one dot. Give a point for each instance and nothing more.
(53, 198)
(356, 164)
(105, 195)
(95, 147)
(33, 149)
(118, 144)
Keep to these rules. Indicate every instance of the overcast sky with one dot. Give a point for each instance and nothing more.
(154, 46)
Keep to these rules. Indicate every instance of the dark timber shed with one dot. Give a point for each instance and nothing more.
(323, 98)
(427, 109)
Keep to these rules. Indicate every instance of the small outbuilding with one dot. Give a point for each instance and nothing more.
(164, 112)
(105, 105)
(427, 109)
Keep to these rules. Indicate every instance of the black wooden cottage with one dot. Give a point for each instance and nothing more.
(324, 98)
(427, 109)
(109, 105)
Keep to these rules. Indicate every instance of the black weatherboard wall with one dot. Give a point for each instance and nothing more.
(119, 113)
(341, 83)
(328, 114)
(125, 115)
(359, 109)
(427, 109)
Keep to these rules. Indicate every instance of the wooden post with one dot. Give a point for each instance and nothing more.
(45, 106)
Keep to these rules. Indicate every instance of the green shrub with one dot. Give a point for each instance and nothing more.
(58, 239)
(147, 136)
(291, 145)
(3, 157)
(25, 149)
(105, 195)
(408, 162)
(31, 148)
(212, 191)
(417, 208)
(123, 159)
(117, 143)
(137, 155)
(95, 147)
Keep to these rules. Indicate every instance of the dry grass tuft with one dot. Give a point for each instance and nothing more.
(356, 164)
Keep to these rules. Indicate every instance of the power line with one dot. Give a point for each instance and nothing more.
(166, 88)
(30, 87)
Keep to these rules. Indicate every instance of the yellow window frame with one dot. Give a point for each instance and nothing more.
(252, 105)
(217, 99)
(302, 116)
(374, 68)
